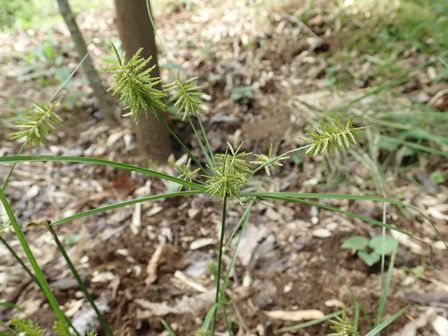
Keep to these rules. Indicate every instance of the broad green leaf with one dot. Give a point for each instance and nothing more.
(383, 244)
(356, 243)
(369, 258)
(437, 177)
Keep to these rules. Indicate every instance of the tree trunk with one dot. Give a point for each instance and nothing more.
(136, 31)
(105, 102)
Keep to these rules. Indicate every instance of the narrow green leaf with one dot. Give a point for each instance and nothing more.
(108, 163)
(118, 205)
(310, 323)
(167, 328)
(385, 289)
(29, 254)
(375, 331)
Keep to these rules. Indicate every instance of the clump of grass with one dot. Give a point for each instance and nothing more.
(225, 177)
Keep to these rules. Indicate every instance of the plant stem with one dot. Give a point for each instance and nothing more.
(256, 170)
(11, 170)
(19, 260)
(36, 268)
(218, 274)
(179, 141)
(198, 138)
(11, 250)
(204, 134)
(81, 284)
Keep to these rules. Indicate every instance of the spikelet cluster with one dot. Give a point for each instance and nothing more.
(37, 124)
(342, 326)
(230, 173)
(26, 327)
(186, 172)
(187, 96)
(331, 136)
(269, 161)
(29, 328)
(133, 83)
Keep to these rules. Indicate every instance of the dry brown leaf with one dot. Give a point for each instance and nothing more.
(151, 269)
(188, 304)
(295, 315)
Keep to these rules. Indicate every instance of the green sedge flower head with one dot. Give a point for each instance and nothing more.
(133, 83)
(230, 173)
(342, 326)
(187, 96)
(26, 327)
(37, 124)
(331, 136)
(187, 173)
(5, 227)
(269, 161)
(61, 329)
(203, 332)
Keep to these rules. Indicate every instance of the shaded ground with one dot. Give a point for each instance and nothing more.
(274, 63)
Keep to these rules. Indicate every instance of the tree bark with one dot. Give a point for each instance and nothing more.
(136, 31)
(105, 102)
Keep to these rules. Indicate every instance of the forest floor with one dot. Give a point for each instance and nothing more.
(271, 72)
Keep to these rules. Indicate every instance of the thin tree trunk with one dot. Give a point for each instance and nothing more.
(105, 102)
(136, 31)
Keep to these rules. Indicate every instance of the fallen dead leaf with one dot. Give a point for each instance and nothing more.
(295, 315)
(201, 242)
(188, 304)
(151, 269)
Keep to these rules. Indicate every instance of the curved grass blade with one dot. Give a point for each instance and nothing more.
(290, 196)
(118, 205)
(375, 331)
(167, 328)
(310, 323)
(36, 268)
(354, 215)
(108, 163)
(104, 324)
(11, 305)
(385, 289)
(415, 146)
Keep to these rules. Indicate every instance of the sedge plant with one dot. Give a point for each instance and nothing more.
(225, 176)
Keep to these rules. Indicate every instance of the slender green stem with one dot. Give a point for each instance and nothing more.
(198, 138)
(32, 276)
(11, 250)
(218, 274)
(19, 260)
(81, 284)
(11, 170)
(243, 225)
(36, 268)
(284, 155)
(204, 134)
(179, 141)
(228, 322)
